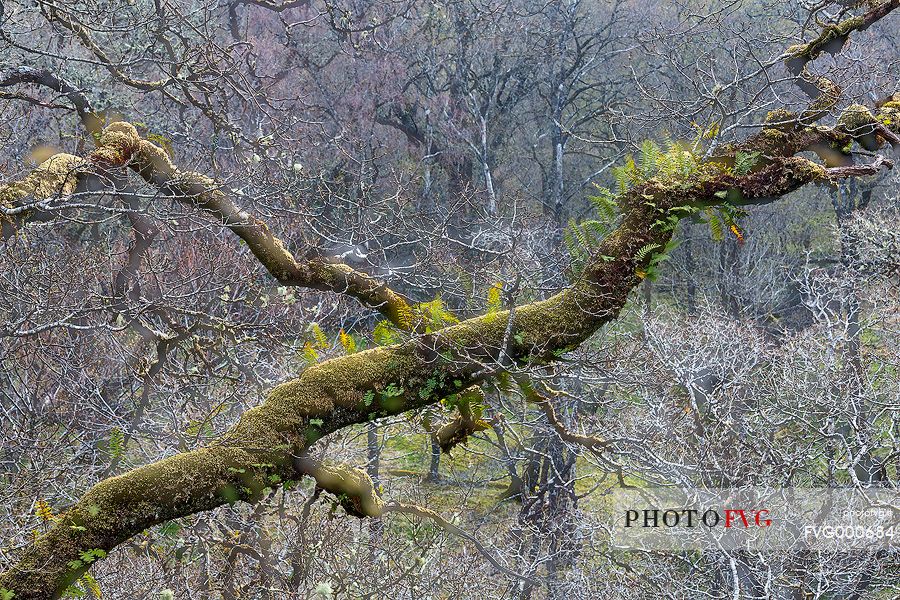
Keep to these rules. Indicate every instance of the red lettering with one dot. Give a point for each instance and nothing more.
(730, 513)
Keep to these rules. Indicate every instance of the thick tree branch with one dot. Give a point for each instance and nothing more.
(824, 92)
(264, 445)
(833, 37)
(352, 389)
(120, 145)
(30, 198)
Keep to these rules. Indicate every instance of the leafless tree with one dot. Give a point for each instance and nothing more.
(250, 244)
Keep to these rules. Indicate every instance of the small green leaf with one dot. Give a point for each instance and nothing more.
(74, 565)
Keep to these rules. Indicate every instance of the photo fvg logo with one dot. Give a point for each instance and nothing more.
(764, 519)
(689, 517)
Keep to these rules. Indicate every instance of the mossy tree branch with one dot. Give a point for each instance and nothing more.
(120, 145)
(824, 92)
(833, 37)
(267, 444)
(262, 447)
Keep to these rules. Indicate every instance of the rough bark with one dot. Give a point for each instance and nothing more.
(267, 444)
(120, 145)
(264, 444)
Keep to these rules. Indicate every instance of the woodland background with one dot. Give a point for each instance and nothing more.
(455, 149)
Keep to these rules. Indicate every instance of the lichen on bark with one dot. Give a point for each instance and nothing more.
(270, 439)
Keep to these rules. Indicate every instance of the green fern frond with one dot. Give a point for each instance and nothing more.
(438, 316)
(649, 158)
(744, 162)
(347, 342)
(575, 242)
(605, 204)
(569, 240)
(620, 174)
(321, 338)
(579, 234)
(593, 232)
(645, 251)
(91, 585)
(635, 177)
(383, 334)
(116, 444)
(309, 354)
(715, 225)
